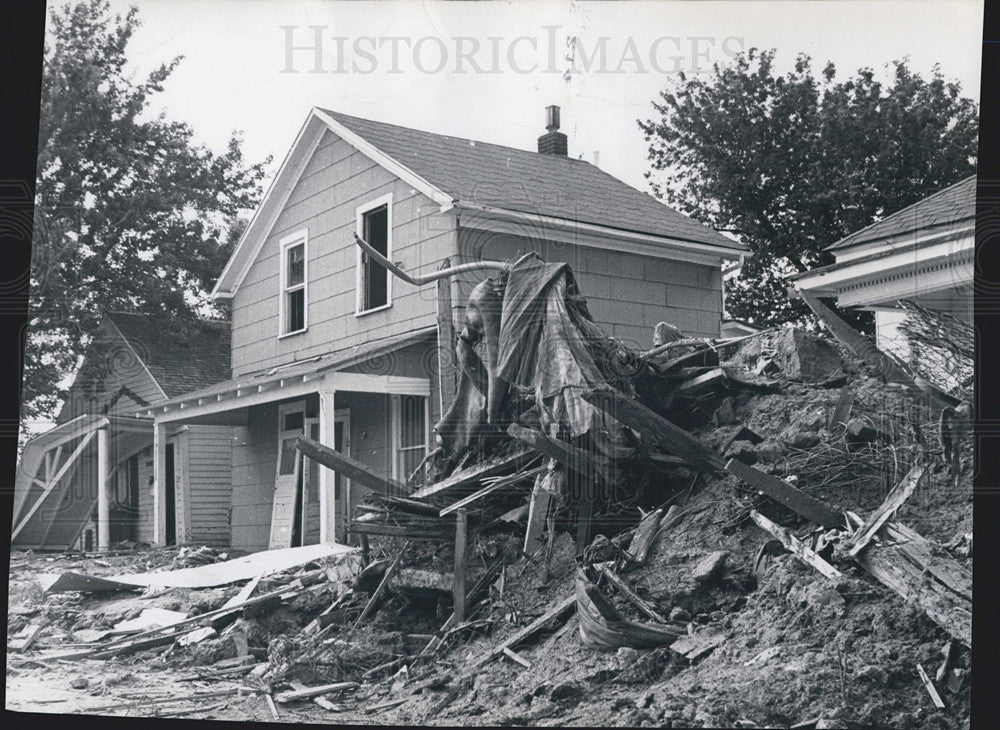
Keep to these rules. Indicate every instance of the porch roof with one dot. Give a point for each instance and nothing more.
(297, 379)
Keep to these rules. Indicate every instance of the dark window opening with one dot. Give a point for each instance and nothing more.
(374, 276)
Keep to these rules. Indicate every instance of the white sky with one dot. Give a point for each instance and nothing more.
(234, 52)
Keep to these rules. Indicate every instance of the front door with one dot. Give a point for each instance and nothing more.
(291, 425)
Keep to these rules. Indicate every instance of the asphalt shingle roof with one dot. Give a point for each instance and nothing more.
(181, 355)
(945, 207)
(529, 182)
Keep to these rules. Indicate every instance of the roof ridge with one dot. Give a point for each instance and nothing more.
(464, 139)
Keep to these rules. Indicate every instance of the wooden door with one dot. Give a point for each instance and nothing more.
(291, 424)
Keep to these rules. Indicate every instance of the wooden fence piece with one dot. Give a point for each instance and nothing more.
(797, 548)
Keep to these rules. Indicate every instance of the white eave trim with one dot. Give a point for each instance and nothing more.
(589, 234)
(284, 182)
(852, 272)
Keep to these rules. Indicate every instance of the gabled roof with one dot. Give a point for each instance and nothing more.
(943, 209)
(529, 182)
(453, 171)
(181, 355)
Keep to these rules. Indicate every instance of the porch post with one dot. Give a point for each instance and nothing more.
(159, 484)
(103, 507)
(327, 480)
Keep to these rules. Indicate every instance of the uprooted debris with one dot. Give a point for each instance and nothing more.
(755, 532)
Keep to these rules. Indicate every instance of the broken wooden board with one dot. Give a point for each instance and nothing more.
(796, 547)
(491, 488)
(619, 583)
(654, 428)
(792, 497)
(202, 576)
(644, 535)
(471, 475)
(702, 383)
(308, 693)
(899, 494)
(585, 464)
(924, 575)
(547, 487)
(842, 411)
(347, 467)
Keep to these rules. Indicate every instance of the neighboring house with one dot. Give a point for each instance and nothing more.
(133, 362)
(326, 343)
(923, 253)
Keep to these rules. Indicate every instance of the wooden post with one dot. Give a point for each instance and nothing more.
(447, 357)
(159, 484)
(327, 478)
(458, 588)
(103, 506)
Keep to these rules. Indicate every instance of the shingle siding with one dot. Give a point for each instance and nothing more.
(335, 182)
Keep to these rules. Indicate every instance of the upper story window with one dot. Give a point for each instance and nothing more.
(374, 281)
(294, 283)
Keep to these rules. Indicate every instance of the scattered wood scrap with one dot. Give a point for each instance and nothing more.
(619, 583)
(346, 466)
(792, 497)
(308, 693)
(795, 546)
(644, 536)
(931, 689)
(900, 493)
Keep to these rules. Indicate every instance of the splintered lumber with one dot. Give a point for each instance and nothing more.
(553, 614)
(547, 486)
(842, 411)
(491, 488)
(308, 693)
(931, 689)
(602, 625)
(514, 656)
(900, 493)
(857, 343)
(471, 475)
(702, 383)
(644, 536)
(458, 586)
(381, 588)
(411, 532)
(792, 497)
(24, 641)
(924, 575)
(347, 467)
(585, 464)
(795, 546)
(654, 428)
(619, 583)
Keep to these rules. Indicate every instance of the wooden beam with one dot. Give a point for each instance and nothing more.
(465, 477)
(490, 488)
(701, 383)
(586, 465)
(347, 466)
(654, 428)
(900, 493)
(796, 547)
(538, 507)
(619, 583)
(842, 411)
(458, 588)
(792, 497)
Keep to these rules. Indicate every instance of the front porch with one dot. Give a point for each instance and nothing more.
(277, 499)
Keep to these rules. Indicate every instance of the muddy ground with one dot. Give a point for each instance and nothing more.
(797, 648)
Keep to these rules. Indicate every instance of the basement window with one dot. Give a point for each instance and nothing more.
(294, 284)
(374, 281)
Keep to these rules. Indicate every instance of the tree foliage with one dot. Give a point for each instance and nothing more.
(131, 214)
(792, 163)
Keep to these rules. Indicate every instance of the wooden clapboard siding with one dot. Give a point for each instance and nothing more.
(254, 454)
(336, 181)
(145, 528)
(210, 484)
(627, 294)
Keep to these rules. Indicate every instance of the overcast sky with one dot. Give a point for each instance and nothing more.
(486, 70)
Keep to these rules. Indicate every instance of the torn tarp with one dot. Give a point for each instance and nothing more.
(206, 576)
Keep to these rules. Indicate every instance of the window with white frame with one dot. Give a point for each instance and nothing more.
(411, 433)
(294, 283)
(374, 222)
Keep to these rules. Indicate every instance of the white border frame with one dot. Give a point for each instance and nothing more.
(294, 239)
(359, 213)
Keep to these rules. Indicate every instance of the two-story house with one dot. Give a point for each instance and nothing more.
(327, 343)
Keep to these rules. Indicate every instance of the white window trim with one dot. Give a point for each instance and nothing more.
(359, 213)
(293, 239)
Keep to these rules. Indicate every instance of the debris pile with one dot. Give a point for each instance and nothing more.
(758, 531)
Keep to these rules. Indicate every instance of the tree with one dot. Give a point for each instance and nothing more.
(130, 213)
(790, 164)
